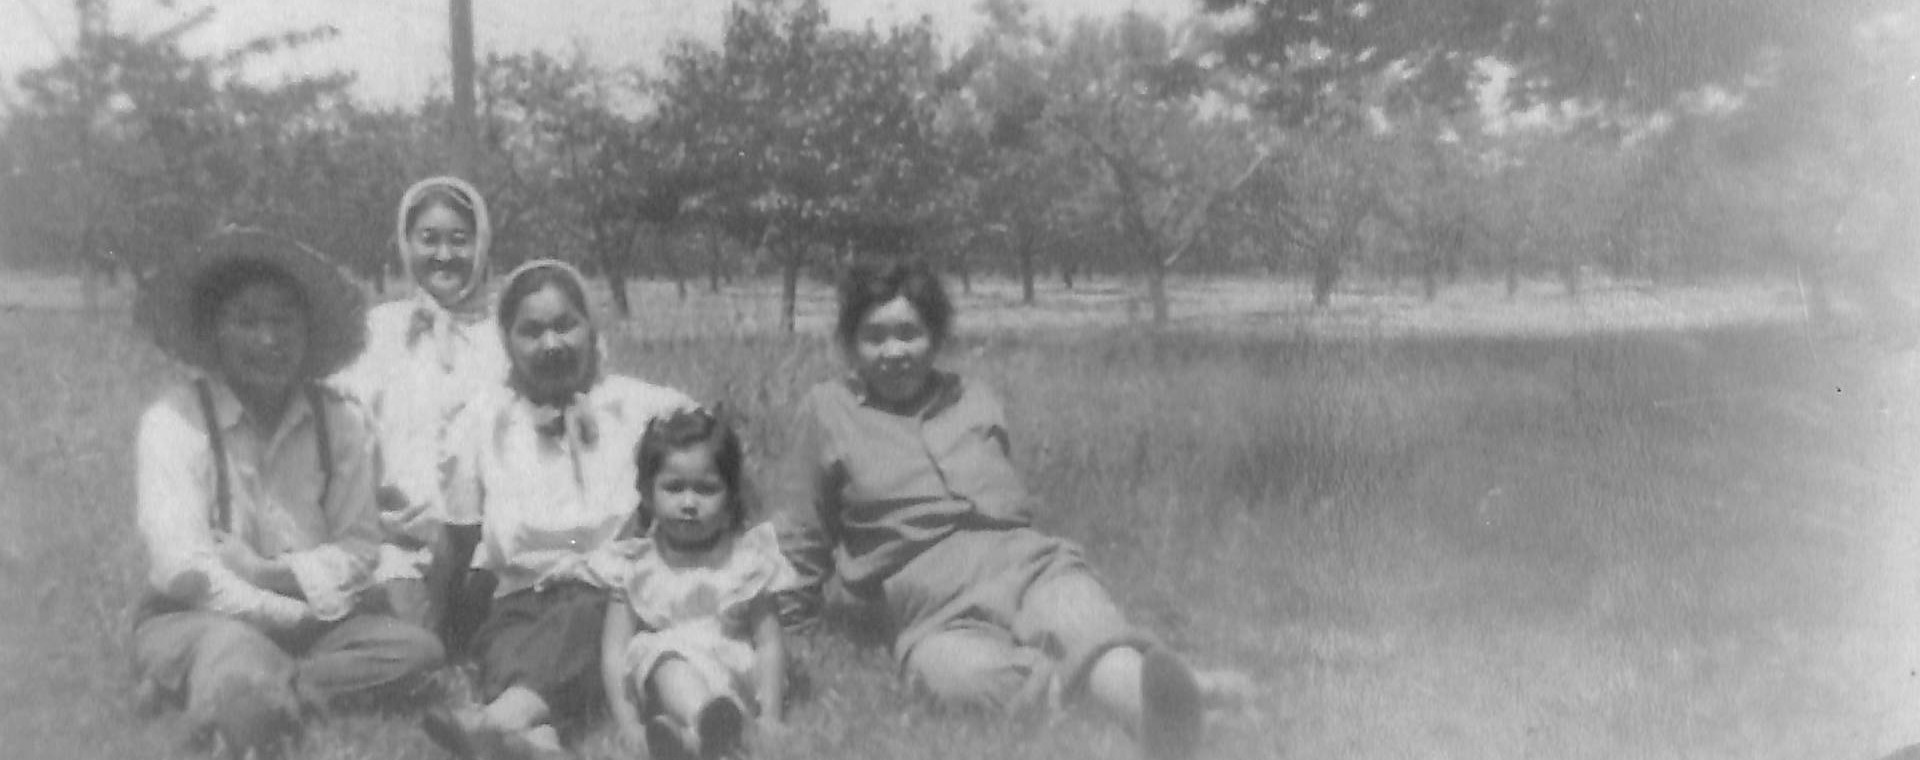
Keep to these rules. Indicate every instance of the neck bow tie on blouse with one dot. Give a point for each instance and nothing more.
(439, 324)
(573, 421)
(570, 428)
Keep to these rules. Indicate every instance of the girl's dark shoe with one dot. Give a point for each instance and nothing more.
(722, 730)
(248, 723)
(1171, 710)
(668, 740)
(456, 731)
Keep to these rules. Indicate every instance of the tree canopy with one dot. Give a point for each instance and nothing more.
(1323, 139)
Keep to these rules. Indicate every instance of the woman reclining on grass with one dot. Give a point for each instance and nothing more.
(899, 480)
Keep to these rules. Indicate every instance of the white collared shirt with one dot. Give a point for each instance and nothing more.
(274, 486)
(546, 502)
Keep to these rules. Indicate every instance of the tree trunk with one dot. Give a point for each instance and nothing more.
(1570, 277)
(1452, 262)
(89, 271)
(1026, 269)
(1326, 273)
(1327, 255)
(713, 261)
(664, 244)
(617, 285)
(790, 259)
(1513, 272)
(1157, 290)
(615, 274)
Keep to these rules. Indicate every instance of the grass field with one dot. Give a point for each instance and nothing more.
(1664, 525)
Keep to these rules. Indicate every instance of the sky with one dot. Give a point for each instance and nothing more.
(399, 48)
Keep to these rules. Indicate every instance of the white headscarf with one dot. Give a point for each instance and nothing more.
(572, 417)
(431, 317)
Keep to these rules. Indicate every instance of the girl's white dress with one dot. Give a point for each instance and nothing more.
(697, 606)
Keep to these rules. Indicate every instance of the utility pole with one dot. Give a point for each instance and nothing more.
(93, 29)
(464, 152)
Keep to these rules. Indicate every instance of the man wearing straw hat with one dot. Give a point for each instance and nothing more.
(256, 501)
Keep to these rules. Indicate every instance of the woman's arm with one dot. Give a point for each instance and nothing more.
(770, 662)
(614, 636)
(270, 574)
(803, 497)
(173, 503)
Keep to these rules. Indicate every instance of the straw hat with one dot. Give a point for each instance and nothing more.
(336, 309)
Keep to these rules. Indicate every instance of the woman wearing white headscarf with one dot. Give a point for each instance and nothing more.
(427, 356)
(547, 456)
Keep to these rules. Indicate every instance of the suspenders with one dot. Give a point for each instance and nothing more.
(222, 517)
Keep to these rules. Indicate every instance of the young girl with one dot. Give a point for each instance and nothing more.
(699, 590)
(427, 356)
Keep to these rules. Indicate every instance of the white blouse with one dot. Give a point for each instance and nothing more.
(422, 365)
(546, 500)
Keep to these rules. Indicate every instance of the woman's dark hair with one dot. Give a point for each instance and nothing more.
(533, 281)
(221, 283)
(442, 195)
(868, 285)
(686, 429)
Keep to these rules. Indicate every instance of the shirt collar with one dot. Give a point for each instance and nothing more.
(946, 393)
(229, 413)
(428, 313)
(584, 405)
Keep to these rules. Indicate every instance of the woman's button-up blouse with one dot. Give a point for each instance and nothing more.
(865, 490)
(546, 499)
(422, 365)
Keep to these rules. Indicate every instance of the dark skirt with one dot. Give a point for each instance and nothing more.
(546, 640)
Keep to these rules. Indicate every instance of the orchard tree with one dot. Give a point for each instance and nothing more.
(1630, 57)
(1021, 173)
(1315, 199)
(799, 135)
(145, 148)
(1827, 159)
(1431, 183)
(597, 169)
(1308, 60)
(1358, 102)
(1132, 108)
(1791, 73)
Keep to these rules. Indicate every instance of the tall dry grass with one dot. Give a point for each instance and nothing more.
(1629, 544)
